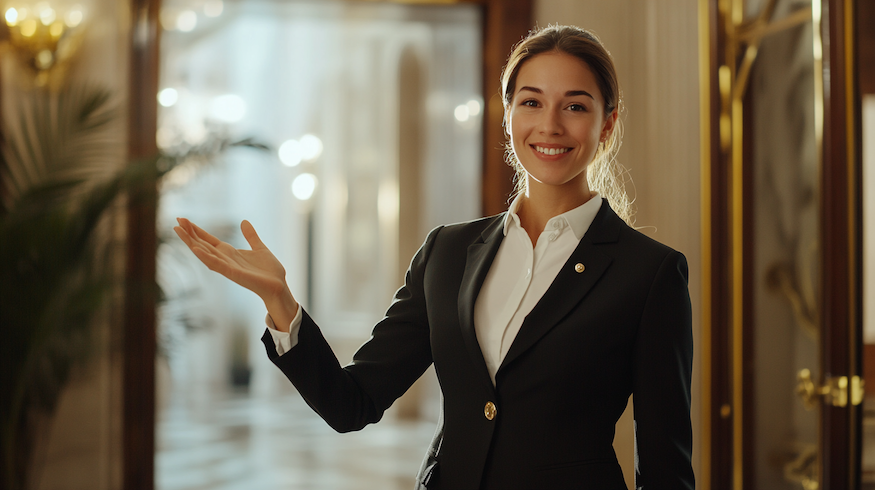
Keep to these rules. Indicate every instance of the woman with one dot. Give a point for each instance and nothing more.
(540, 321)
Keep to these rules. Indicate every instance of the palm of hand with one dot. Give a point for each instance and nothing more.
(257, 270)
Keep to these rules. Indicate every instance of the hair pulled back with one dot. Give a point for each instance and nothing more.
(604, 174)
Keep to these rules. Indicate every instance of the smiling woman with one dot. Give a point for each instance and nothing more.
(557, 123)
(588, 64)
(556, 305)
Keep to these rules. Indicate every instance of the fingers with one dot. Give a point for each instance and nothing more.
(205, 252)
(188, 232)
(251, 236)
(199, 232)
(211, 260)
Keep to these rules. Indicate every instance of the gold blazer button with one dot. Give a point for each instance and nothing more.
(579, 267)
(489, 410)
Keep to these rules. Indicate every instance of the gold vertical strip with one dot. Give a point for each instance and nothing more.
(737, 239)
(737, 295)
(705, 222)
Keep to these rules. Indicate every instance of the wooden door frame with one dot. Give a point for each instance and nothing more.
(841, 249)
(505, 22)
(726, 302)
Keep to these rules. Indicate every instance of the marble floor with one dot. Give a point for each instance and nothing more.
(238, 442)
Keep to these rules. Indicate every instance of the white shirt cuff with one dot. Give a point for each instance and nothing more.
(284, 341)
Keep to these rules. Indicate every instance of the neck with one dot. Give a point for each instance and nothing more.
(540, 204)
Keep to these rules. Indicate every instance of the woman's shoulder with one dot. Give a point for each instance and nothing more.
(470, 228)
(631, 238)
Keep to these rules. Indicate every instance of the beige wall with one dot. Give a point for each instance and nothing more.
(655, 48)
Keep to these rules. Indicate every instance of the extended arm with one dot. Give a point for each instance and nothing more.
(397, 354)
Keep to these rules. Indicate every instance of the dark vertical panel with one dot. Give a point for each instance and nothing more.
(840, 252)
(721, 429)
(865, 32)
(4, 37)
(506, 22)
(140, 293)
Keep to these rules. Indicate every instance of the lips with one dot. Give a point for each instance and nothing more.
(551, 151)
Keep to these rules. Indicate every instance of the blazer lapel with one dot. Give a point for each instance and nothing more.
(480, 256)
(571, 284)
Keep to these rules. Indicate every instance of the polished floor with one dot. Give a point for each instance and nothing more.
(238, 442)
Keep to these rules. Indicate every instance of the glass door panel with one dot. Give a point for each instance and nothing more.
(782, 230)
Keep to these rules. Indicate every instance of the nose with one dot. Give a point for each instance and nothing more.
(550, 122)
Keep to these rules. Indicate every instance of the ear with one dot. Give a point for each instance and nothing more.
(608, 127)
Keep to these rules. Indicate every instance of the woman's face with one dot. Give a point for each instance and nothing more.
(556, 120)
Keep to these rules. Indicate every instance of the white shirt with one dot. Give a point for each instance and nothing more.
(517, 279)
(520, 275)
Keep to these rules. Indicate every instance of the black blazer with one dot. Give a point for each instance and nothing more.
(619, 325)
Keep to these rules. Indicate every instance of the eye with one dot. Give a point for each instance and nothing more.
(530, 103)
(577, 107)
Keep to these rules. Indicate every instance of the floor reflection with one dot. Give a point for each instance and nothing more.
(235, 441)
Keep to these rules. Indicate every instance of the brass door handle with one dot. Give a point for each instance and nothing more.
(838, 391)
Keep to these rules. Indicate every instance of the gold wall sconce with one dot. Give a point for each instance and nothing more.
(44, 36)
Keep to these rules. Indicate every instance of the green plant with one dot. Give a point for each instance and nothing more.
(61, 170)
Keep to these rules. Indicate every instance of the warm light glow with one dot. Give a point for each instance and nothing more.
(28, 27)
(290, 153)
(304, 186)
(462, 113)
(74, 17)
(311, 147)
(213, 8)
(186, 21)
(57, 29)
(473, 107)
(387, 202)
(11, 17)
(168, 97)
(44, 59)
(46, 14)
(228, 108)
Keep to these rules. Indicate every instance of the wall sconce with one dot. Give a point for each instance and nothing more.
(44, 35)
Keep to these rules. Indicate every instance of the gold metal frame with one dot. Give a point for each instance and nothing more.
(705, 185)
(741, 36)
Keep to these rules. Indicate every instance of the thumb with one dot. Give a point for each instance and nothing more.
(251, 236)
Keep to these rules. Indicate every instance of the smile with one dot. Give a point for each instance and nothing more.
(551, 151)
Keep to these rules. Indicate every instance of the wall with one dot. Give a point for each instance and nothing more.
(655, 49)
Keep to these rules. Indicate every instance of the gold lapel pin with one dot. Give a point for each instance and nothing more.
(579, 267)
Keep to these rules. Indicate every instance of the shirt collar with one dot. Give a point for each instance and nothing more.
(579, 218)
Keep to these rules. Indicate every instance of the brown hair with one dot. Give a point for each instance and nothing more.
(604, 174)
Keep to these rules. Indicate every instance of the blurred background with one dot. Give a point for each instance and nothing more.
(345, 131)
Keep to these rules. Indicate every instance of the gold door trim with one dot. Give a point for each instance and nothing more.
(705, 218)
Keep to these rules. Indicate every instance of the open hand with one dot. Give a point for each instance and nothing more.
(257, 270)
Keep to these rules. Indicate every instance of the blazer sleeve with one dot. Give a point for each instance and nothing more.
(662, 378)
(396, 355)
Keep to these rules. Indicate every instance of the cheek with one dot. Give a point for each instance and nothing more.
(516, 128)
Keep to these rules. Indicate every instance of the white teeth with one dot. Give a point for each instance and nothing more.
(552, 151)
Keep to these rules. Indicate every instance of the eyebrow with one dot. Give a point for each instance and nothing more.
(570, 93)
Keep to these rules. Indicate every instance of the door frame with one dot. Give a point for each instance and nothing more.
(726, 183)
